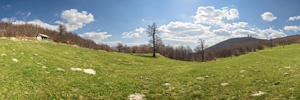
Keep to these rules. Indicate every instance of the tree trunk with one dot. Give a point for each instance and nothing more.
(202, 55)
(154, 44)
(271, 43)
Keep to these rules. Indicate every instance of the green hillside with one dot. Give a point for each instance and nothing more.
(266, 74)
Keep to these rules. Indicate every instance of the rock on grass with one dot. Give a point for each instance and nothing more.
(242, 71)
(44, 67)
(167, 84)
(60, 69)
(15, 60)
(89, 71)
(200, 78)
(224, 84)
(75, 69)
(3, 54)
(259, 93)
(136, 96)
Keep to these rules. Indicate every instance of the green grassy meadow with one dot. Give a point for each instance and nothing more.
(275, 72)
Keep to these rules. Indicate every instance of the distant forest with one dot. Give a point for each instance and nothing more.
(228, 48)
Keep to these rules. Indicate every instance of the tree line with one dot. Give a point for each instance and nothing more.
(155, 46)
(201, 53)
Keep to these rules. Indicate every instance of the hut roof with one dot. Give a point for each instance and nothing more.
(44, 35)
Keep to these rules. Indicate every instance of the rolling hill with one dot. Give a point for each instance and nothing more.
(29, 70)
(233, 42)
(236, 42)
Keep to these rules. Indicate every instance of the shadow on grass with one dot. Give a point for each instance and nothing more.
(145, 55)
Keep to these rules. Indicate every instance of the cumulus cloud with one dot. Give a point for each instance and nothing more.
(75, 20)
(178, 42)
(96, 36)
(43, 24)
(210, 24)
(268, 16)
(216, 39)
(294, 18)
(235, 25)
(19, 22)
(112, 43)
(184, 29)
(184, 33)
(212, 16)
(221, 32)
(232, 14)
(136, 44)
(273, 33)
(292, 28)
(133, 34)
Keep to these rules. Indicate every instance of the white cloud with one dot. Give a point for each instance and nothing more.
(135, 44)
(183, 29)
(212, 16)
(38, 23)
(210, 24)
(11, 19)
(112, 43)
(292, 28)
(232, 14)
(43, 24)
(268, 16)
(19, 22)
(294, 18)
(143, 20)
(214, 40)
(178, 42)
(75, 20)
(235, 25)
(96, 36)
(244, 33)
(221, 32)
(134, 34)
(176, 33)
(272, 33)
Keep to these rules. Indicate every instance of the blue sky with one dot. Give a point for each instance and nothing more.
(181, 22)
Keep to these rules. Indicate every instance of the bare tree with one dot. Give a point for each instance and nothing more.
(119, 47)
(283, 43)
(153, 33)
(271, 43)
(202, 48)
(62, 30)
(189, 53)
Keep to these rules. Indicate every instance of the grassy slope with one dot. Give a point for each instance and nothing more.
(119, 75)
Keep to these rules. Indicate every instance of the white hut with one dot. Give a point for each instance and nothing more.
(42, 37)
